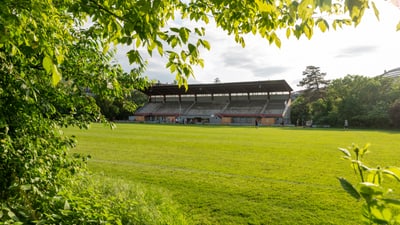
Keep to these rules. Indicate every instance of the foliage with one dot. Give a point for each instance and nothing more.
(105, 200)
(363, 101)
(300, 111)
(55, 58)
(37, 102)
(121, 108)
(314, 83)
(394, 113)
(380, 204)
(312, 104)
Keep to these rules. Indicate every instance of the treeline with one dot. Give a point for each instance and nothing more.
(364, 101)
(121, 108)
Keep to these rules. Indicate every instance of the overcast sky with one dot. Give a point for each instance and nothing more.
(368, 49)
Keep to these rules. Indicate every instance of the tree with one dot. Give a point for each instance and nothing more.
(394, 113)
(314, 94)
(55, 58)
(362, 100)
(121, 108)
(300, 111)
(313, 81)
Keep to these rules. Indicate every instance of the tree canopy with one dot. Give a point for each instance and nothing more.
(56, 56)
(313, 78)
(363, 101)
(50, 27)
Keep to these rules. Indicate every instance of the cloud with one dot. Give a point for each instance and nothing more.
(236, 58)
(268, 72)
(354, 51)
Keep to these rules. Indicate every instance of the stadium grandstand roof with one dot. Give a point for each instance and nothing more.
(220, 88)
(392, 73)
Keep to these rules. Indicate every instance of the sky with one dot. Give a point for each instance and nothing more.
(369, 49)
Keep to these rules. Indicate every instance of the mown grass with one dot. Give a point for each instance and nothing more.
(240, 175)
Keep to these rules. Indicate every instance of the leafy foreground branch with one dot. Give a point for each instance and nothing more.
(380, 203)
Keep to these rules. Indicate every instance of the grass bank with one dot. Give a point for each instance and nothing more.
(239, 175)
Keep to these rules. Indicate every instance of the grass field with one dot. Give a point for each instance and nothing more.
(240, 175)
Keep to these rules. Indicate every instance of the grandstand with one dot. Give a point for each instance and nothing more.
(240, 103)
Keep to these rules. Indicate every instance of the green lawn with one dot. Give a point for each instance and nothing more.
(240, 175)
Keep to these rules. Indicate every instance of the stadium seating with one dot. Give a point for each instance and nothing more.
(229, 103)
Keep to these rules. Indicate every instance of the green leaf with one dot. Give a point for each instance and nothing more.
(306, 9)
(138, 42)
(187, 71)
(345, 151)
(380, 215)
(364, 150)
(66, 205)
(374, 176)
(205, 44)
(59, 56)
(199, 31)
(174, 29)
(134, 56)
(325, 5)
(349, 188)
(47, 64)
(288, 32)
(12, 216)
(370, 189)
(278, 42)
(322, 24)
(184, 34)
(398, 26)
(174, 42)
(376, 11)
(392, 172)
(160, 50)
(183, 55)
(26, 187)
(56, 75)
(172, 67)
(392, 202)
(192, 49)
(308, 31)
(106, 47)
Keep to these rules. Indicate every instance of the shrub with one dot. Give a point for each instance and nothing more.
(95, 199)
(380, 203)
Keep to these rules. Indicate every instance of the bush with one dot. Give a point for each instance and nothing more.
(95, 199)
(381, 204)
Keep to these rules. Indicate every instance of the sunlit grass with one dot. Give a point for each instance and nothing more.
(240, 175)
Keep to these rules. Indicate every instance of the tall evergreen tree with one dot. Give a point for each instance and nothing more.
(314, 81)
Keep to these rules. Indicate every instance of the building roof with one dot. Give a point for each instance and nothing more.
(220, 88)
(392, 73)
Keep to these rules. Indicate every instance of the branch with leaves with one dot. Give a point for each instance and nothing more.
(380, 205)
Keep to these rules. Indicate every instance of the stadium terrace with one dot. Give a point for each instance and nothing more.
(242, 103)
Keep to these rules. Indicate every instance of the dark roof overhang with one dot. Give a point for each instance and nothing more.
(220, 88)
